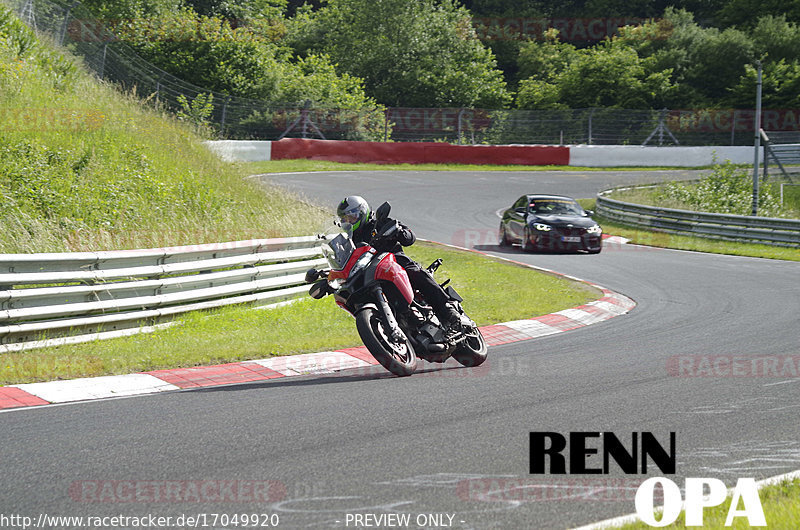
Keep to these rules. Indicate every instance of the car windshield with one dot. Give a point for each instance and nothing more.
(555, 207)
(338, 250)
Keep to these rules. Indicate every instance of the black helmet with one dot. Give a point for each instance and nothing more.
(353, 212)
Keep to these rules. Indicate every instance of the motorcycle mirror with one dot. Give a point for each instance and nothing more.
(383, 211)
(318, 290)
(312, 275)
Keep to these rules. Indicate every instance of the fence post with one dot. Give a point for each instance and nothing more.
(591, 117)
(386, 125)
(103, 62)
(224, 112)
(661, 128)
(460, 121)
(28, 15)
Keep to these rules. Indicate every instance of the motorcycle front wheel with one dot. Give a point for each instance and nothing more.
(472, 351)
(397, 357)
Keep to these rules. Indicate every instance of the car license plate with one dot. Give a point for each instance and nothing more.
(571, 239)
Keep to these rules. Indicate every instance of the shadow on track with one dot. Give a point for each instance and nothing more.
(350, 375)
(517, 251)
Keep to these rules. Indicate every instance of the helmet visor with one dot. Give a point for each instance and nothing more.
(350, 219)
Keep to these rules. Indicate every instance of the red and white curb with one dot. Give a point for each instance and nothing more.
(615, 240)
(610, 305)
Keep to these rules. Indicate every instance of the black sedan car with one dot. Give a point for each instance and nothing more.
(550, 222)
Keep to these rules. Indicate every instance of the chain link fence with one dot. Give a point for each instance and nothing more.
(75, 28)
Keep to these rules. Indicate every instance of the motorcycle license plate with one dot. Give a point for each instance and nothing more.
(571, 239)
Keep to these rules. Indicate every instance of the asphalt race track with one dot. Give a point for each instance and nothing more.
(452, 441)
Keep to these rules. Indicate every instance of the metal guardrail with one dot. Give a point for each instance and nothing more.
(786, 153)
(50, 299)
(766, 230)
(780, 153)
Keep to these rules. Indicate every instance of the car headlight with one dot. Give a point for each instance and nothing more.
(594, 230)
(542, 227)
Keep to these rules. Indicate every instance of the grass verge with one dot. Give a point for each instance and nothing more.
(493, 290)
(781, 504)
(685, 242)
(290, 166)
(85, 167)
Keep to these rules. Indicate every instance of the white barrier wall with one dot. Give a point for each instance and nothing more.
(242, 150)
(579, 155)
(634, 155)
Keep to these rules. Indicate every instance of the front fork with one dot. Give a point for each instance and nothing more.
(388, 314)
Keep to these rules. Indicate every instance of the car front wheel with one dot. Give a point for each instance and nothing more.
(526, 240)
(503, 237)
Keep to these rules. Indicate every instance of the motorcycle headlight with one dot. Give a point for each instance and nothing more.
(542, 227)
(594, 230)
(362, 262)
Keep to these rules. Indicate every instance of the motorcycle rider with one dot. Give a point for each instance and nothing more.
(356, 217)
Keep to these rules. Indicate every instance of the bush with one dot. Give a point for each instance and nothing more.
(726, 190)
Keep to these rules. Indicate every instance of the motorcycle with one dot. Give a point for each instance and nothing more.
(395, 323)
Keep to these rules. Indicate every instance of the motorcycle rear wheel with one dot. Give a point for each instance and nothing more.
(398, 358)
(472, 351)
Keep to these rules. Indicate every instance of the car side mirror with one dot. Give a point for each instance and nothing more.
(383, 211)
(589, 213)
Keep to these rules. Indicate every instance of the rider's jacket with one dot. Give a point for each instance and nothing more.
(402, 238)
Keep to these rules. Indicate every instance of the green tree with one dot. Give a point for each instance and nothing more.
(611, 74)
(119, 10)
(208, 52)
(705, 62)
(745, 13)
(545, 60)
(422, 53)
(240, 10)
(538, 94)
(775, 38)
(780, 87)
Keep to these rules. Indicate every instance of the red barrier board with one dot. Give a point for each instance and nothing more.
(419, 152)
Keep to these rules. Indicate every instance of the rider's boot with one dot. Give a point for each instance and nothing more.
(451, 321)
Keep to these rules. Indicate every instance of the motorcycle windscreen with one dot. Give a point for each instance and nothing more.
(338, 251)
(388, 270)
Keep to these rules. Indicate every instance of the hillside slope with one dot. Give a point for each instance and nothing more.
(84, 167)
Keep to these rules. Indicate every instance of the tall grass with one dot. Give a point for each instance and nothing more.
(85, 167)
(727, 189)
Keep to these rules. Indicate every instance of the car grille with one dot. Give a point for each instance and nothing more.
(574, 231)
